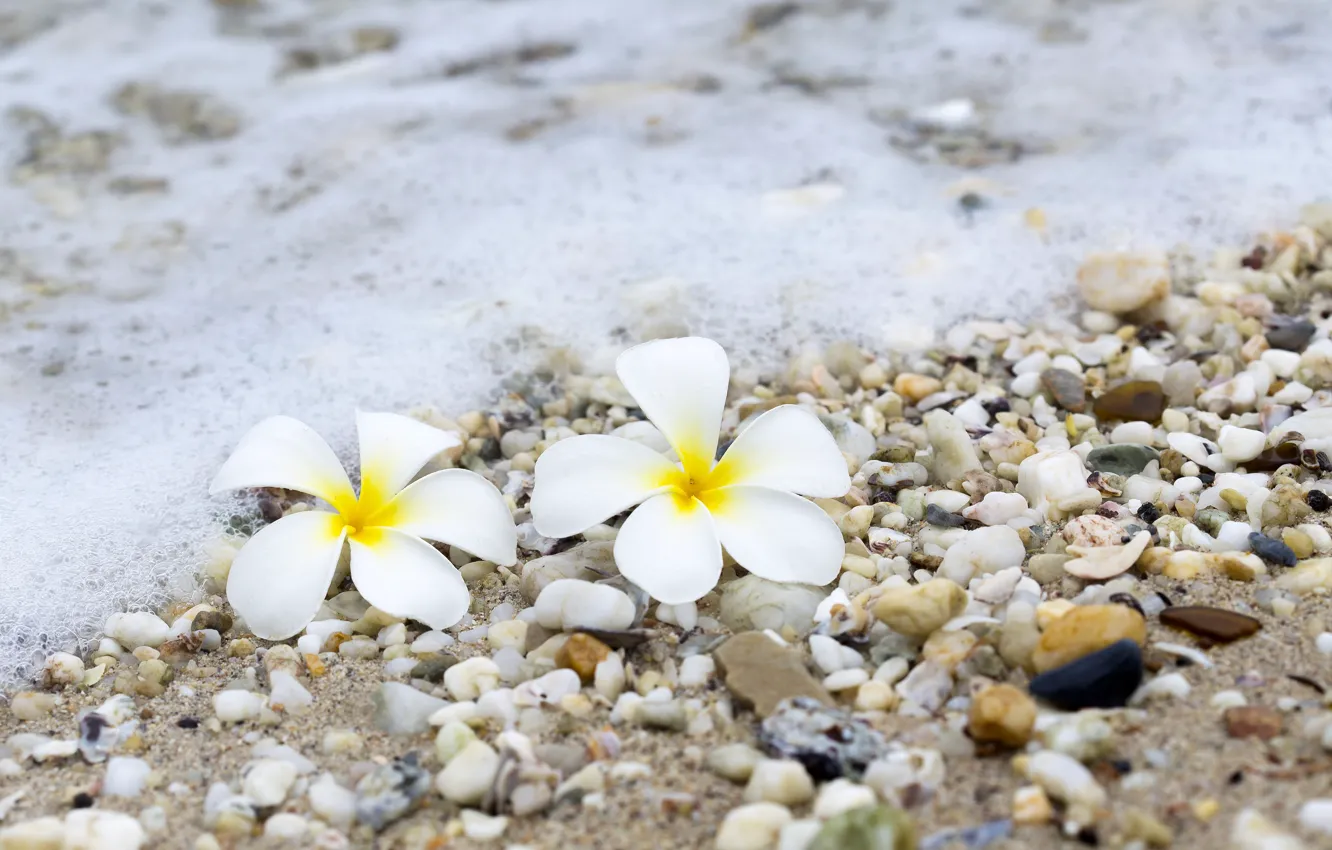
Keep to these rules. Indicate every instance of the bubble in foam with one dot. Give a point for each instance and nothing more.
(379, 234)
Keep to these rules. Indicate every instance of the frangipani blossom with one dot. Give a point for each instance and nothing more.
(671, 545)
(281, 575)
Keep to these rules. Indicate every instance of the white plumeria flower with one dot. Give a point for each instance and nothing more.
(671, 545)
(282, 574)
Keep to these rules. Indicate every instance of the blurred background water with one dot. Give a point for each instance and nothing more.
(217, 211)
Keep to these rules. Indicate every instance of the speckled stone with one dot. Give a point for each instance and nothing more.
(1068, 390)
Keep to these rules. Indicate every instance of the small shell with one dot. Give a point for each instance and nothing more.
(1102, 562)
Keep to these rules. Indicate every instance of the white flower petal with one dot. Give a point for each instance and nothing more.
(681, 385)
(582, 481)
(287, 453)
(280, 576)
(786, 448)
(777, 535)
(457, 507)
(393, 450)
(669, 548)
(407, 577)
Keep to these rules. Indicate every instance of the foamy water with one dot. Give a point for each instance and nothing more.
(380, 233)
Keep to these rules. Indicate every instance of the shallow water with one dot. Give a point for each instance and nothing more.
(408, 225)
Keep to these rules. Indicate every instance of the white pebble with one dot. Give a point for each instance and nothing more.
(1140, 433)
(392, 635)
(547, 690)
(286, 826)
(831, 656)
(482, 827)
(842, 795)
(468, 679)
(138, 628)
(798, 834)
(125, 776)
(1232, 537)
(62, 668)
(467, 778)
(287, 694)
(1227, 699)
(752, 827)
(507, 634)
(332, 802)
(1316, 816)
(1065, 779)
(432, 641)
(981, 551)
(567, 603)
(997, 508)
(1170, 685)
(696, 671)
(268, 781)
(309, 644)
(950, 500)
(324, 629)
(684, 615)
(452, 738)
(779, 781)
(1241, 444)
(235, 706)
(1323, 643)
(845, 680)
(609, 678)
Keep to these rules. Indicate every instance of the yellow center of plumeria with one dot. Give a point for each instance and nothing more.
(699, 477)
(370, 510)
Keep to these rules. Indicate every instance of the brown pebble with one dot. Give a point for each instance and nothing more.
(1132, 401)
(1002, 714)
(582, 653)
(761, 672)
(1252, 721)
(217, 620)
(1215, 624)
(1067, 389)
(1084, 630)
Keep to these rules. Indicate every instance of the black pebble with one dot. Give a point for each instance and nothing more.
(1104, 679)
(82, 800)
(1149, 513)
(187, 723)
(1318, 500)
(936, 515)
(1272, 551)
(995, 406)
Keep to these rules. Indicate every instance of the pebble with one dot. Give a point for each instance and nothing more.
(286, 826)
(755, 826)
(287, 694)
(126, 776)
(389, 791)
(482, 827)
(1098, 563)
(1068, 390)
(582, 653)
(609, 679)
(1002, 714)
(1054, 483)
(1252, 831)
(779, 781)
(1031, 806)
(469, 679)
(31, 705)
(735, 762)
(755, 604)
(1106, 678)
(332, 802)
(1066, 780)
(1123, 282)
(954, 453)
(1316, 816)
(831, 656)
(761, 673)
(1084, 630)
(697, 670)
(403, 710)
(997, 508)
(237, 706)
(828, 741)
(268, 781)
(798, 834)
(1272, 551)
(670, 715)
(981, 551)
(62, 669)
(468, 776)
(1241, 444)
(867, 828)
(1252, 721)
(1215, 624)
(139, 628)
(1131, 401)
(920, 610)
(1123, 459)
(570, 603)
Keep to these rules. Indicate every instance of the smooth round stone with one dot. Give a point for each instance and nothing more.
(1272, 551)
(1216, 624)
(1132, 401)
(1241, 444)
(1085, 630)
(1002, 714)
(1103, 679)
(1291, 337)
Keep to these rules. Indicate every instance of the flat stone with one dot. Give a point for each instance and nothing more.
(1068, 390)
(403, 710)
(1084, 630)
(1272, 551)
(936, 515)
(761, 673)
(1294, 336)
(1132, 401)
(1124, 459)
(1104, 679)
(1252, 721)
(1216, 624)
(867, 828)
